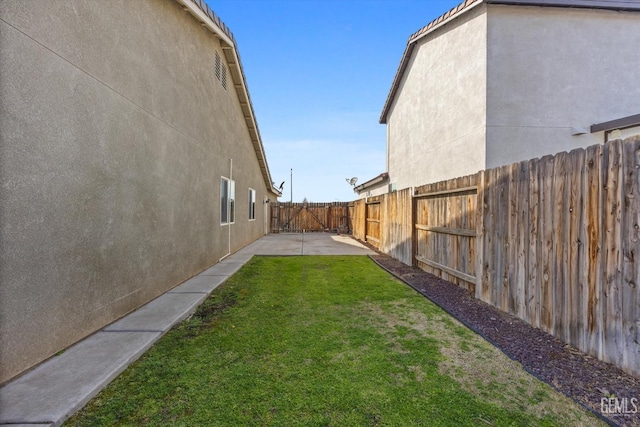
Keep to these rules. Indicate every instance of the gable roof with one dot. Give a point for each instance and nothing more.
(208, 19)
(467, 5)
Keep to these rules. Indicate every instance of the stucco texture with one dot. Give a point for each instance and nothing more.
(500, 84)
(115, 134)
(436, 124)
(552, 72)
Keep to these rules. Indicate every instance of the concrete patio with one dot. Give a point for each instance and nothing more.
(57, 388)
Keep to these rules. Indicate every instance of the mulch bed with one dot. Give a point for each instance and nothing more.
(582, 378)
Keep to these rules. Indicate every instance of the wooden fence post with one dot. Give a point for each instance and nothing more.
(480, 234)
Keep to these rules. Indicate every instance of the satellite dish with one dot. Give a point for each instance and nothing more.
(352, 181)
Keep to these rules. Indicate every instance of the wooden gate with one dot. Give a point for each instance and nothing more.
(445, 230)
(372, 221)
(310, 217)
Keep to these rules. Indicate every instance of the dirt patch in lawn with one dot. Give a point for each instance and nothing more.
(584, 379)
(480, 368)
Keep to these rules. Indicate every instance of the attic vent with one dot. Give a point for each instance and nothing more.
(218, 66)
(221, 71)
(224, 77)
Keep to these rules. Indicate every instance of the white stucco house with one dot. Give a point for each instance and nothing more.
(492, 82)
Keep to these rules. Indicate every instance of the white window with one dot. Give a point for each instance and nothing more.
(227, 201)
(252, 204)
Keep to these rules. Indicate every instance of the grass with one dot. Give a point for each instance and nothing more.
(324, 341)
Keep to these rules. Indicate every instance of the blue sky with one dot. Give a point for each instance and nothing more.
(319, 73)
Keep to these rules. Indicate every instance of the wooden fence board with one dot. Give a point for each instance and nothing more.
(575, 303)
(522, 241)
(480, 228)
(488, 220)
(533, 294)
(546, 249)
(593, 244)
(502, 237)
(631, 251)
(512, 241)
(612, 339)
(558, 275)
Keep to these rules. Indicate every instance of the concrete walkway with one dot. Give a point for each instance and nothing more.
(56, 389)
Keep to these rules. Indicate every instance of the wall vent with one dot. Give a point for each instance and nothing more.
(218, 66)
(224, 77)
(221, 71)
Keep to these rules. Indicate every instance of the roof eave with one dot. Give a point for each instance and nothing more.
(378, 179)
(201, 11)
(618, 5)
(622, 123)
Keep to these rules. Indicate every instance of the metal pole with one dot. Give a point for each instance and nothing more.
(291, 181)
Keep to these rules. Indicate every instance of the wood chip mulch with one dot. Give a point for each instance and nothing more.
(577, 375)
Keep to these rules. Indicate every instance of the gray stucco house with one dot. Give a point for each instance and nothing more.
(493, 82)
(130, 160)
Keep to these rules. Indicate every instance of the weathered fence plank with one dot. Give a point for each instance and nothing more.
(502, 232)
(630, 292)
(612, 339)
(546, 255)
(488, 221)
(511, 266)
(522, 250)
(559, 277)
(533, 281)
(575, 303)
(479, 243)
(593, 219)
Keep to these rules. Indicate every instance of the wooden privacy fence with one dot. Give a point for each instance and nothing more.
(391, 214)
(554, 241)
(310, 217)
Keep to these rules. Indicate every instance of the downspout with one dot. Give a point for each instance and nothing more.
(229, 209)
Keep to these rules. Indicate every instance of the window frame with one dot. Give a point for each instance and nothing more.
(252, 204)
(227, 201)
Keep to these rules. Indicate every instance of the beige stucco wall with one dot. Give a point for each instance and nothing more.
(115, 133)
(553, 69)
(436, 125)
(374, 190)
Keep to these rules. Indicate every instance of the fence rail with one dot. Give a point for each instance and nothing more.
(554, 241)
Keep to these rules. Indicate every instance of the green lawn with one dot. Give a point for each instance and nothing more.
(324, 341)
